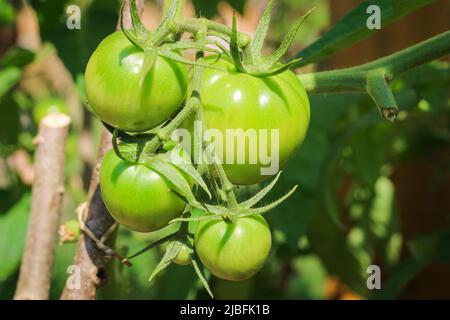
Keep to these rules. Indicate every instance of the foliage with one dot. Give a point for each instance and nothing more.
(345, 216)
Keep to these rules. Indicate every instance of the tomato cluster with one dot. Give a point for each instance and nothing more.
(142, 199)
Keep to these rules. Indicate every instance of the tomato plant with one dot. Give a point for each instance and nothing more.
(137, 196)
(116, 93)
(233, 250)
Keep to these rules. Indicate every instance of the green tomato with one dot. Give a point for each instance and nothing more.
(136, 196)
(233, 250)
(116, 94)
(48, 106)
(234, 100)
(183, 257)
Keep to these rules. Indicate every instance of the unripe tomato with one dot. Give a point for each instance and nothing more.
(136, 196)
(114, 90)
(233, 250)
(47, 106)
(234, 100)
(183, 257)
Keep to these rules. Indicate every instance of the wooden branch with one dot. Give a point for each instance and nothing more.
(89, 258)
(46, 204)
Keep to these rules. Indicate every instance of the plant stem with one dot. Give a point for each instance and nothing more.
(194, 25)
(374, 77)
(354, 79)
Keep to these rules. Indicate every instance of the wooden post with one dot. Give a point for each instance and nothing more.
(46, 204)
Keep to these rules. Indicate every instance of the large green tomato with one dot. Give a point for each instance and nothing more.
(233, 250)
(47, 106)
(234, 100)
(114, 91)
(136, 196)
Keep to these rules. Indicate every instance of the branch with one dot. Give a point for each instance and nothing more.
(46, 204)
(375, 77)
(89, 257)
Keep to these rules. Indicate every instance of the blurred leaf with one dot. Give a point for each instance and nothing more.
(9, 124)
(208, 8)
(338, 256)
(13, 227)
(431, 247)
(7, 13)
(8, 79)
(98, 19)
(309, 279)
(352, 28)
(63, 259)
(16, 57)
(399, 277)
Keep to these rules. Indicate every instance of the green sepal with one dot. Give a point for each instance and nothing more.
(261, 31)
(234, 48)
(201, 277)
(287, 41)
(173, 249)
(138, 35)
(261, 210)
(166, 169)
(186, 167)
(149, 62)
(152, 245)
(261, 194)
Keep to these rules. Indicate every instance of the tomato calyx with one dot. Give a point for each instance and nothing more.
(243, 209)
(250, 60)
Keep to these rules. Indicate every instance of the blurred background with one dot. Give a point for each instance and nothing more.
(371, 192)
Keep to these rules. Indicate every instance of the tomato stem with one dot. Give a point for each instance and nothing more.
(375, 77)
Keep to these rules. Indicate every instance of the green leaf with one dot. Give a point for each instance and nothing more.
(261, 194)
(149, 61)
(205, 217)
(186, 167)
(169, 16)
(173, 248)
(208, 8)
(13, 227)
(176, 57)
(234, 47)
(287, 41)
(431, 247)
(8, 79)
(352, 28)
(264, 209)
(16, 57)
(201, 277)
(261, 30)
(152, 245)
(187, 44)
(130, 149)
(168, 171)
(7, 13)
(399, 277)
(134, 35)
(138, 26)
